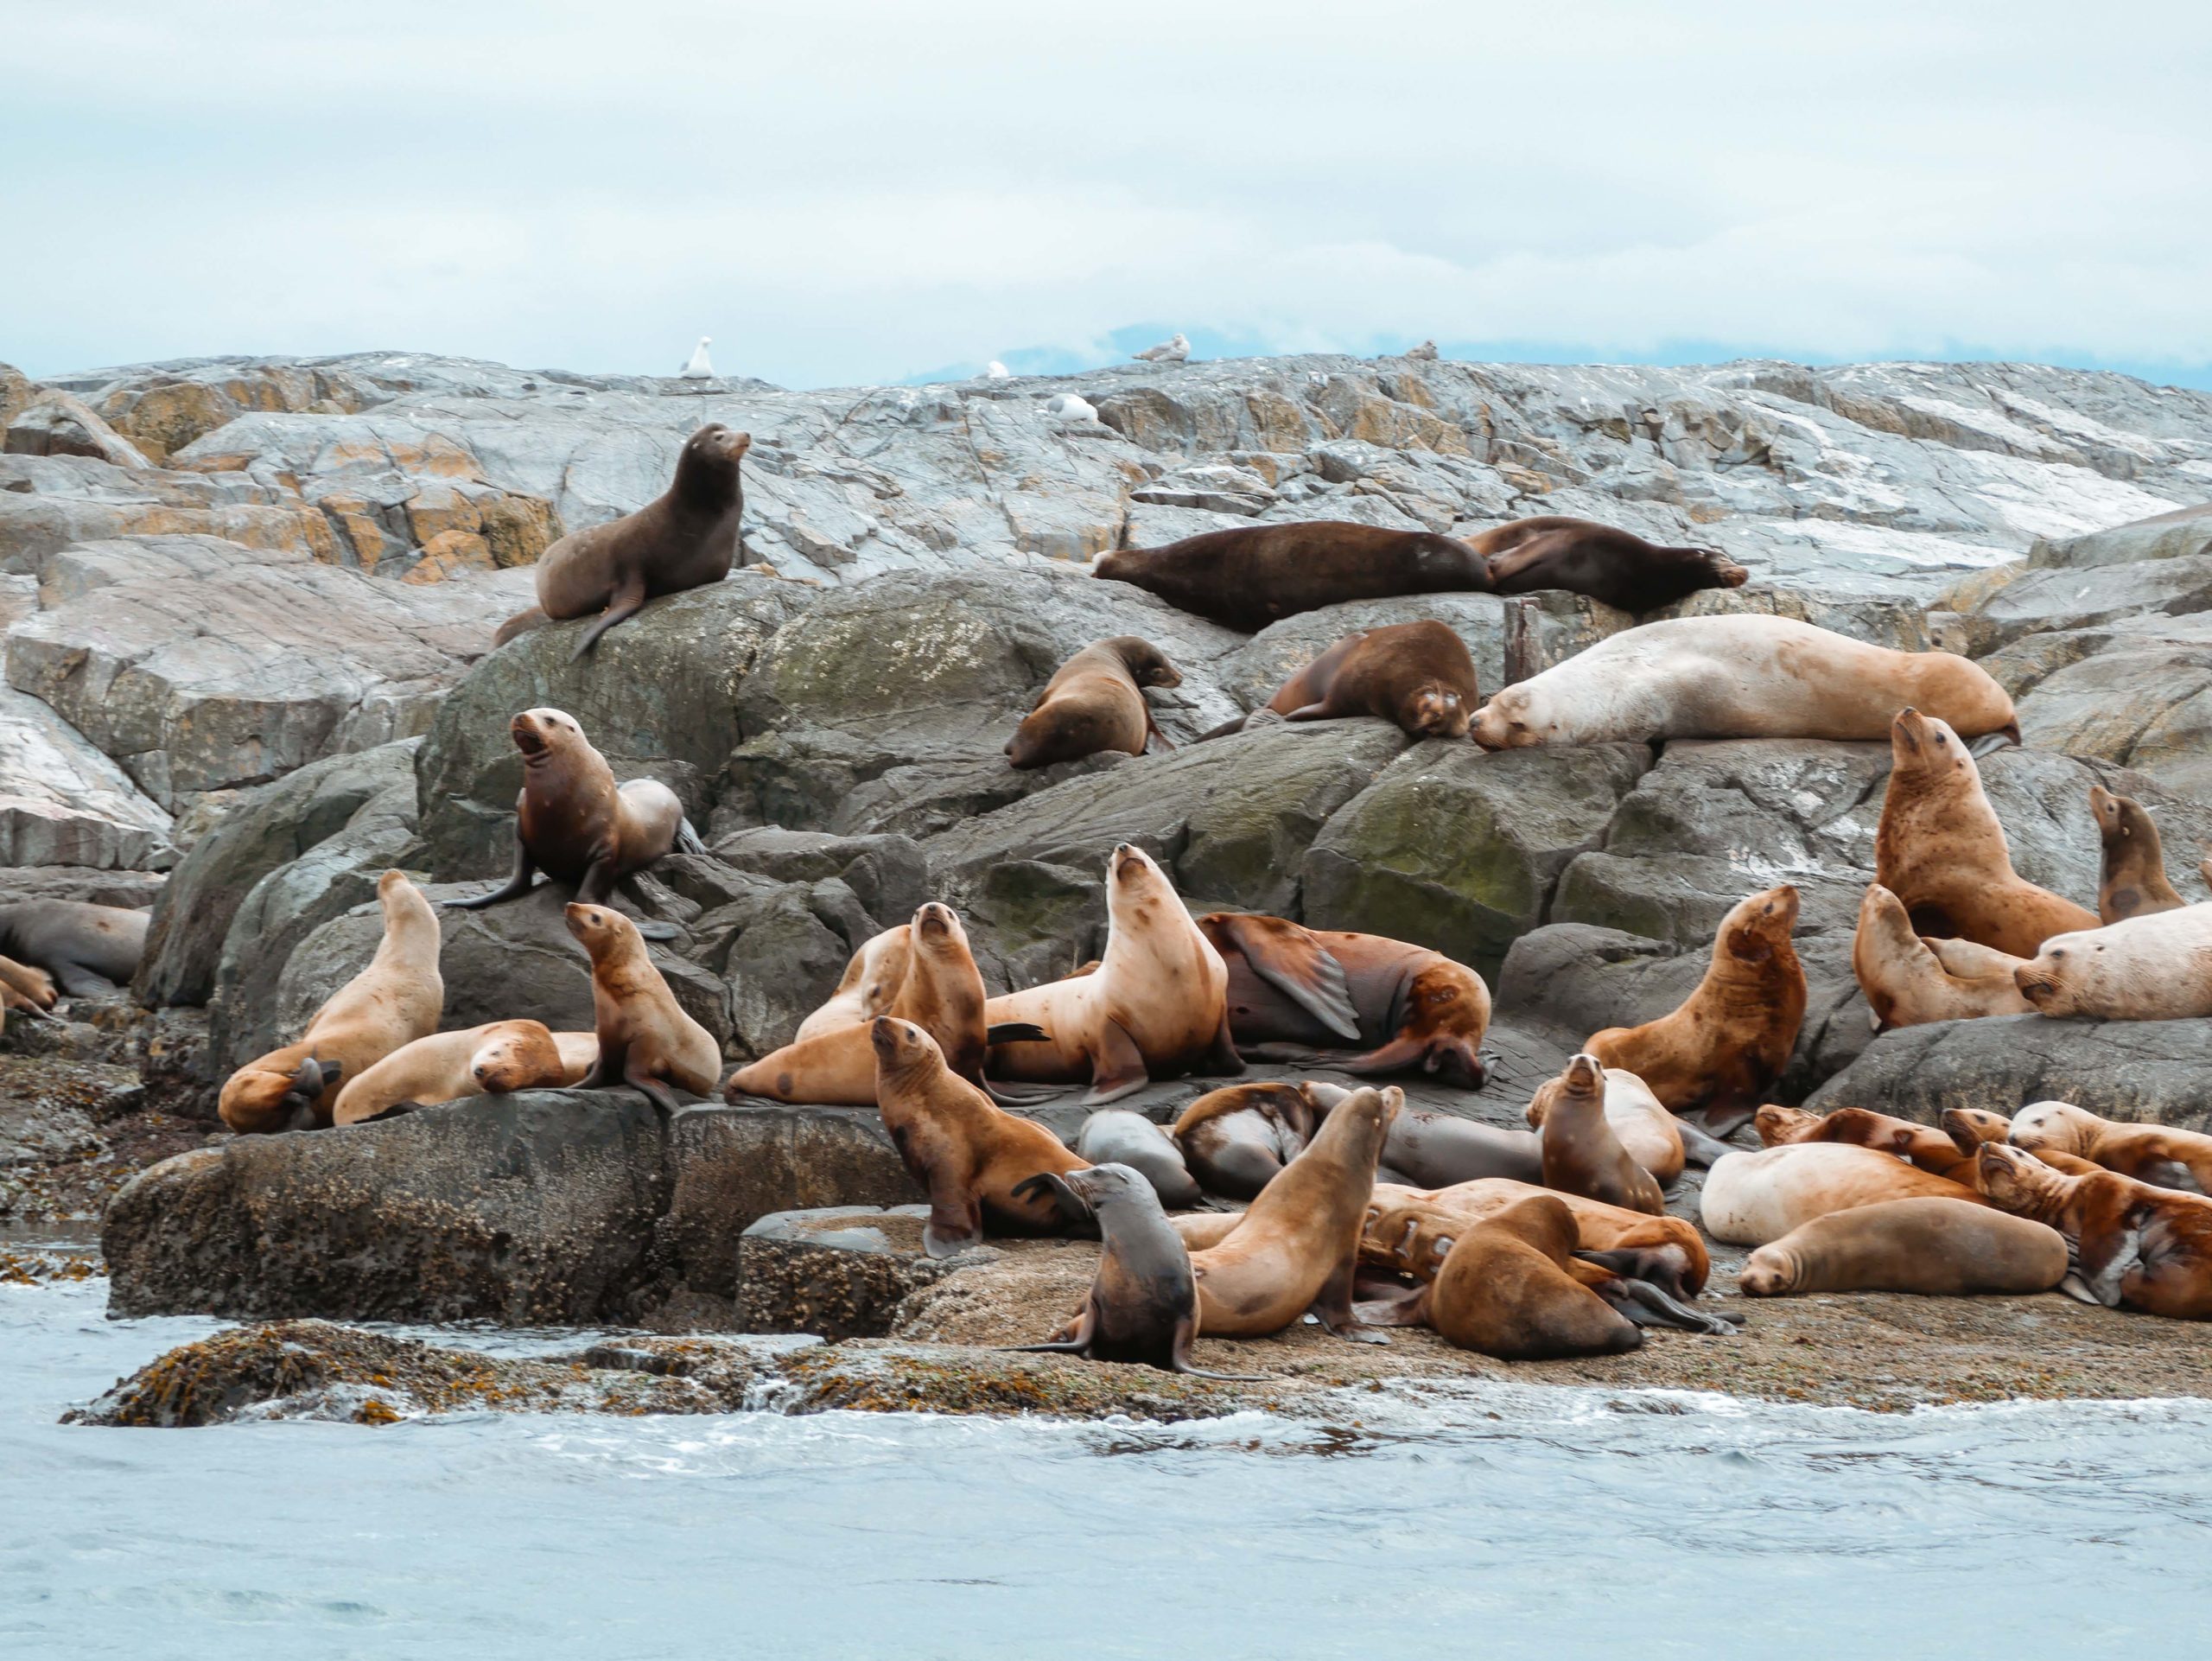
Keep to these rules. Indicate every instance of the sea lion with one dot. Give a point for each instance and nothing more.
(27, 988)
(1296, 1248)
(1417, 676)
(1303, 994)
(1615, 567)
(1752, 1199)
(1429, 1150)
(573, 823)
(1667, 1251)
(2154, 966)
(1737, 677)
(1970, 1127)
(393, 1002)
(1638, 1120)
(86, 948)
(1941, 850)
(1238, 1139)
(2135, 1247)
(1582, 1154)
(646, 1041)
(1921, 1145)
(1095, 703)
(1114, 1136)
(2159, 1154)
(1505, 1286)
(2134, 881)
(972, 1160)
(1729, 1040)
(1143, 1304)
(684, 539)
(1944, 1248)
(941, 992)
(1905, 980)
(1157, 1007)
(870, 983)
(1251, 576)
(493, 1060)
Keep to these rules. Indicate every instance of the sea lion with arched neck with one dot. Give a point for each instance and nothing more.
(646, 1040)
(1582, 1154)
(1907, 980)
(2133, 880)
(2162, 1155)
(2135, 1247)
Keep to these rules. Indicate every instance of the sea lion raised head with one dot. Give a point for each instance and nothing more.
(603, 932)
(2134, 881)
(545, 735)
(706, 468)
(1146, 664)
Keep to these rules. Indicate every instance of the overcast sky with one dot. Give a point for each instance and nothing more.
(845, 193)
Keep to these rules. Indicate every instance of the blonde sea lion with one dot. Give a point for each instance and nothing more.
(2155, 966)
(1296, 1248)
(1615, 567)
(1417, 676)
(2133, 880)
(2135, 1247)
(1646, 1132)
(1095, 702)
(1156, 1006)
(494, 1060)
(972, 1160)
(1907, 983)
(393, 1002)
(646, 1041)
(1738, 675)
(1308, 996)
(1582, 1152)
(1937, 1246)
(871, 981)
(1939, 849)
(28, 989)
(2157, 1154)
(1721, 1051)
(1752, 1199)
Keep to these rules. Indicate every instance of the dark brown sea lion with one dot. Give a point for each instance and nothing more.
(1095, 703)
(1306, 995)
(1417, 676)
(684, 538)
(1582, 1154)
(2135, 1247)
(1944, 1248)
(2134, 877)
(1251, 576)
(1617, 567)
(573, 823)
(1237, 1140)
(86, 948)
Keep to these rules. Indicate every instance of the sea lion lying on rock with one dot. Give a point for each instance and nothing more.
(1095, 703)
(2155, 966)
(2135, 1247)
(496, 1058)
(1417, 676)
(1941, 1247)
(2159, 1154)
(1615, 567)
(1908, 981)
(85, 948)
(1248, 576)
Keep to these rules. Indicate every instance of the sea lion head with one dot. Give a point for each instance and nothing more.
(1776, 1125)
(1137, 890)
(258, 1099)
(936, 930)
(600, 929)
(900, 1044)
(1970, 1127)
(2054, 978)
(517, 1055)
(1449, 1002)
(1725, 572)
(1925, 747)
(2013, 1180)
(2058, 1125)
(2106, 806)
(1095, 1189)
(712, 453)
(1146, 664)
(1760, 925)
(1436, 711)
(1772, 1272)
(1512, 720)
(543, 735)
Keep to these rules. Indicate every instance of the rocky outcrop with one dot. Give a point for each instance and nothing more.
(64, 803)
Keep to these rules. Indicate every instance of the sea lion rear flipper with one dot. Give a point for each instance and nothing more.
(1007, 1095)
(1988, 743)
(1332, 1305)
(1118, 1069)
(515, 886)
(1294, 961)
(1647, 1306)
(1724, 1117)
(1016, 1032)
(688, 839)
(1073, 1208)
(1392, 1306)
(653, 1091)
(1698, 1148)
(1178, 1358)
(648, 931)
(80, 981)
(1079, 1332)
(396, 1111)
(1222, 1057)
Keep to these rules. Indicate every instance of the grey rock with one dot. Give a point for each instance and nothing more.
(838, 1273)
(58, 425)
(2182, 534)
(62, 802)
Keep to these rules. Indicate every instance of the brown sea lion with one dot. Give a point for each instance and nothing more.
(684, 538)
(1667, 1251)
(2135, 1247)
(1943, 1248)
(1970, 1127)
(1737, 676)
(2157, 1154)
(1906, 981)
(972, 1160)
(1418, 676)
(1429, 1149)
(2134, 877)
(1095, 703)
(1729, 1040)
(1923, 1145)
(646, 1041)
(1143, 1304)
(493, 1060)
(1752, 1199)
(1116, 1135)
(1296, 1248)
(869, 986)
(573, 823)
(1614, 566)
(1505, 1287)
(1646, 1132)
(393, 1002)
(1238, 1139)
(1305, 995)
(2154, 966)
(85, 948)
(1251, 576)
(942, 992)
(1941, 850)
(1157, 1007)
(1582, 1152)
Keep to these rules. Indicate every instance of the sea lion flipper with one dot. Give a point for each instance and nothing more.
(647, 931)
(1294, 961)
(1647, 1306)
(1073, 1207)
(1079, 1332)
(1016, 1032)
(625, 603)
(1118, 1068)
(1178, 1358)
(1403, 1306)
(956, 1221)
(1332, 1305)
(1222, 1057)
(1007, 1095)
(515, 886)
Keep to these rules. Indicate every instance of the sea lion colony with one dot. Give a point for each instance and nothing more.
(1299, 1197)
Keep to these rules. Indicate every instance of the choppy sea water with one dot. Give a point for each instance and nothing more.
(1483, 1522)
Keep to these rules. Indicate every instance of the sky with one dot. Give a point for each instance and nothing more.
(844, 193)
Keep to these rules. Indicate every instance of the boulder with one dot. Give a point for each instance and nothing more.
(50, 503)
(2070, 598)
(62, 802)
(838, 1273)
(58, 425)
(2182, 534)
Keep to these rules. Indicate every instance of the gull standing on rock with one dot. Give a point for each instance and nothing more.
(1066, 407)
(997, 371)
(700, 368)
(1169, 351)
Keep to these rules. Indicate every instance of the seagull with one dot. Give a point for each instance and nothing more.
(1426, 352)
(1066, 407)
(997, 371)
(1174, 351)
(699, 368)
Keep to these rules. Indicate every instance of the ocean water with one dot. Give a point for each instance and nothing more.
(1477, 1522)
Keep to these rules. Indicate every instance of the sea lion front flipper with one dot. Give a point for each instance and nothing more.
(653, 1091)
(1073, 1208)
(1016, 1032)
(1178, 1358)
(956, 1220)
(1079, 1331)
(1396, 1306)
(1118, 1068)
(1007, 1095)
(622, 605)
(1332, 1305)
(1294, 961)
(1152, 728)
(1222, 1058)
(516, 884)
